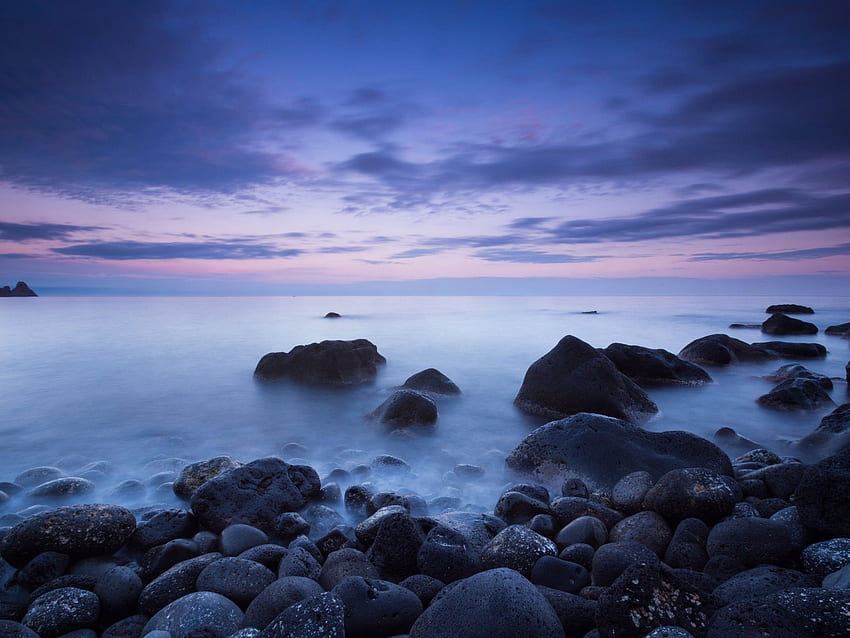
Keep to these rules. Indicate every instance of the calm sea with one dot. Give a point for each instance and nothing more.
(135, 381)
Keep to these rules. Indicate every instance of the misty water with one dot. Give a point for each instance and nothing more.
(141, 381)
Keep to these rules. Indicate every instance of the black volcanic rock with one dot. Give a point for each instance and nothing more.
(652, 367)
(574, 377)
(406, 408)
(842, 330)
(431, 381)
(780, 324)
(789, 309)
(793, 350)
(20, 290)
(326, 363)
(796, 394)
(602, 450)
(796, 371)
(722, 350)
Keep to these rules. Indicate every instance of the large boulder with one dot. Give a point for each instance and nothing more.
(574, 377)
(832, 433)
(602, 450)
(254, 494)
(406, 408)
(431, 381)
(498, 603)
(326, 363)
(779, 324)
(797, 371)
(722, 350)
(841, 329)
(797, 394)
(792, 349)
(823, 496)
(693, 492)
(789, 309)
(653, 367)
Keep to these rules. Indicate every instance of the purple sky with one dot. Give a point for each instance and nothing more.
(280, 147)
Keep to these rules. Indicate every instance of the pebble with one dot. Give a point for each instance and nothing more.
(238, 579)
(276, 597)
(61, 611)
(202, 613)
(517, 548)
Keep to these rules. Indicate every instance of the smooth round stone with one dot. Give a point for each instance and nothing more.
(299, 562)
(37, 475)
(750, 541)
(790, 517)
(447, 556)
(62, 610)
(278, 596)
(580, 553)
(518, 548)
(130, 627)
(239, 579)
(686, 548)
(12, 629)
(320, 616)
(376, 607)
(553, 572)
(128, 490)
(164, 526)
(118, 590)
(612, 559)
(157, 559)
(64, 487)
(825, 557)
(693, 492)
(389, 465)
(588, 530)
(175, 582)
(267, 554)
(543, 524)
(343, 563)
(628, 493)
(195, 613)
(647, 528)
(235, 539)
(517, 508)
(425, 587)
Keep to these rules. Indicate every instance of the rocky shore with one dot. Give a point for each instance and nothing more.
(602, 529)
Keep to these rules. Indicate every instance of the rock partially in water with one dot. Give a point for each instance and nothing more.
(574, 377)
(722, 350)
(793, 350)
(780, 324)
(602, 450)
(431, 381)
(406, 408)
(338, 363)
(797, 394)
(841, 330)
(831, 435)
(797, 371)
(62, 488)
(789, 309)
(21, 289)
(653, 367)
(194, 475)
(823, 497)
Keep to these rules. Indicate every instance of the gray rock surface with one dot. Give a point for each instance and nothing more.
(337, 363)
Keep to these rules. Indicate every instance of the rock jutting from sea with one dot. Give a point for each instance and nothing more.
(21, 289)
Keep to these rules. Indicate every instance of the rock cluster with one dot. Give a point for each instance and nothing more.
(20, 290)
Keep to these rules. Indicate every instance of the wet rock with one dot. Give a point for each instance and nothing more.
(793, 350)
(789, 309)
(396, 545)
(647, 528)
(577, 614)
(255, 494)
(203, 613)
(693, 493)
(61, 488)
(376, 607)
(602, 450)
(175, 582)
(825, 557)
(841, 329)
(797, 371)
(732, 442)
(238, 579)
(431, 381)
(343, 563)
(62, 611)
(612, 559)
(759, 581)
(447, 556)
(687, 546)
(750, 541)
(497, 603)
(327, 363)
(780, 324)
(406, 408)
(628, 493)
(653, 367)
(299, 562)
(796, 394)
(118, 591)
(518, 548)
(585, 530)
(552, 572)
(514, 507)
(823, 497)
(320, 616)
(574, 377)
(722, 350)
(164, 526)
(37, 475)
(277, 597)
(831, 433)
(239, 537)
(76, 530)
(478, 529)
(194, 475)
(648, 596)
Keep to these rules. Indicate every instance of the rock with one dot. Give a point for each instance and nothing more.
(648, 596)
(647, 528)
(431, 381)
(585, 530)
(61, 611)
(43, 568)
(447, 556)
(320, 616)
(175, 582)
(779, 324)
(791, 613)
(396, 545)
(574, 377)
(518, 548)
(268, 554)
(602, 450)
(612, 559)
(628, 493)
(194, 475)
(291, 524)
(478, 529)
(693, 492)
(722, 350)
(376, 608)
(405, 408)
(750, 541)
(789, 309)
(277, 597)
(497, 603)
(326, 363)
(164, 526)
(160, 558)
(796, 394)
(60, 488)
(130, 627)
(298, 561)
(569, 508)
(345, 562)
(425, 587)
(118, 590)
(20, 290)
(793, 350)
(831, 434)
(514, 507)
(202, 613)
(239, 537)
(648, 367)
(823, 497)
(780, 480)
(839, 579)
(732, 442)
(842, 330)
(255, 494)
(37, 475)
(759, 581)
(687, 546)
(669, 632)
(796, 371)
(238, 579)
(742, 326)
(574, 486)
(577, 614)
(825, 557)
(333, 315)
(12, 629)
(76, 530)
(552, 572)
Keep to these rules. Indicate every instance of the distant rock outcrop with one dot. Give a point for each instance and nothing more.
(721, 350)
(20, 290)
(780, 324)
(789, 309)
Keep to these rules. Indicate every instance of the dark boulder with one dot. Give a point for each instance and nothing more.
(722, 350)
(825, 557)
(395, 547)
(687, 547)
(577, 614)
(431, 381)
(320, 616)
(550, 571)
(477, 529)
(279, 595)
(779, 324)
(332, 315)
(406, 408)
(841, 329)
(518, 548)
(164, 526)
(612, 559)
(647, 528)
(194, 475)
(792, 349)
(376, 608)
(758, 581)
(693, 492)
(345, 562)
(175, 582)
(654, 367)
(62, 611)
(789, 309)
(20, 290)
(327, 363)
(602, 450)
(12, 629)
(498, 603)
(796, 394)
(203, 613)
(255, 494)
(238, 579)
(76, 530)
(791, 371)
(574, 377)
(751, 541)
(628, 493)
(447, 555)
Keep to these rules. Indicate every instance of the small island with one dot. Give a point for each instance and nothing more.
(20, 290)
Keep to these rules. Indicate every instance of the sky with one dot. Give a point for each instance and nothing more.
(283, 147)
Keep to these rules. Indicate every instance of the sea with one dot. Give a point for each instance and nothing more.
(130, 387)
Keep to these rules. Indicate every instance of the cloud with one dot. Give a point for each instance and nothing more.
(533, 257)
(31, 232)
(126, 250)
(340, 250)
(840, 250)
(417, 252)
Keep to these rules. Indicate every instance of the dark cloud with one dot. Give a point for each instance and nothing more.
(369, 126)
(533, 257)
(29, 232)
(340, 250)
(841, 250)
(366, 96)
(125, 250)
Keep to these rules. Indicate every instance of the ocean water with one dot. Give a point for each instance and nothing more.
(147, 383)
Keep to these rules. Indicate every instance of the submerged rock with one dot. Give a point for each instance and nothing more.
(789, 309)
(574, 377)
(722, 350)
(797, 371)
(651, 367)
(406, 408)
(796, 394)
(431, 381)
(779, 324)
(793, 350)
(602, 450)
(326, 363)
